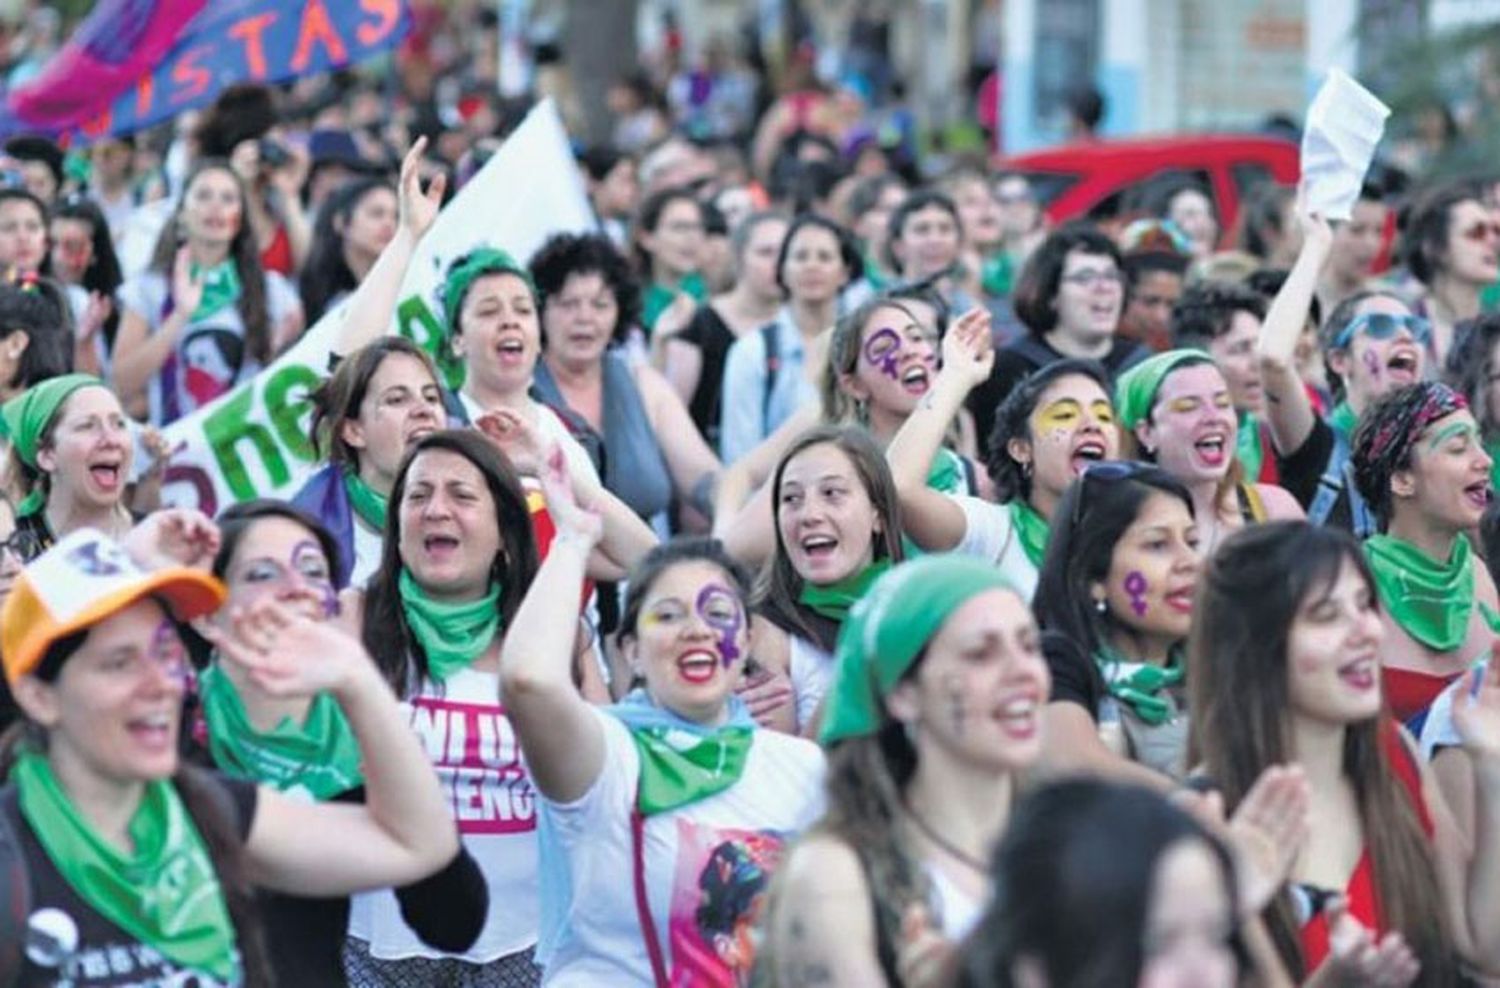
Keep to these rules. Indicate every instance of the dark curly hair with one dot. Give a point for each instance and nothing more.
(1425, 227)
(1036, 289)
(1206, 310)
(1013, 421)
(1468, 367)
(1387, 434)
(567, 254)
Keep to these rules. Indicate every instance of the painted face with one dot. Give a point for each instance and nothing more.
(976, 695)
(1235, 353)
(1333, 651)
(1356, 244)
(116, 704)
(825, 516)
(499, 336)
(1090, 295)
(929, 243)
(72, 249)
(1374, 367)
(1194, 215)
(813, 270)
(1473, 243)
(1073, 425)
(580, 319)
(402, 404)
(450, 535)
(23, 236)
(979, 213)
(90, 452)
(1148, 314)
(1192, 426)
(896, 362)
(676, 245)
(278, 558)
(1153, 571)
(212, 207)
(691, 639)
(1189, 923)
(758, 263)
(1450, 474)
(372, 222)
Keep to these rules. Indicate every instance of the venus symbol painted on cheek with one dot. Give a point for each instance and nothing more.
(1136, 586)
(300, 552)
(166, 649)
(1372, 364)
(881, 351)
(720, 609)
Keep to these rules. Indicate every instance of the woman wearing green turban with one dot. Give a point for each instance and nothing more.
(71, 452)
(934, 710)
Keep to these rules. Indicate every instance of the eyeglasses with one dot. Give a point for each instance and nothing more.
(1088, 279)
(1107, 471)
(1384, 326)
(1482, 231)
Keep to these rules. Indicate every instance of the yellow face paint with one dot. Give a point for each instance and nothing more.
(1061, 414)
(1103, 413)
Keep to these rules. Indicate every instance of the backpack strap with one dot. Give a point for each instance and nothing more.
(15, 891)
(772, 347)
(1338, 478)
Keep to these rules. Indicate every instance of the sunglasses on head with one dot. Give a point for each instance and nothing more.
(1105, 471)
(1482, 231)
(1384, 326)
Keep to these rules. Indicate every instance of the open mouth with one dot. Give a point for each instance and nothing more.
(153, 731)
(1018, 718)
(698, 666)
(511, 349)
(819, 547)
(916, 380)
(1212, 450)
(1360, 674)
(440, 545)
(1180, 600)
(1403, 364)
(1086, 452)
(1478, 494)
(106, 475)
(419, 432)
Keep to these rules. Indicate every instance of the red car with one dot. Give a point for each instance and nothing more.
(1103, 180)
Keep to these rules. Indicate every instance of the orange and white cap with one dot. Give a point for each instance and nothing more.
(80, 581)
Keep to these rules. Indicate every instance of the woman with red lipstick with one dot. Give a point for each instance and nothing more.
(639, 800)
(1283, 664)
(205, 315)
(1116, 598)
(1422, 468)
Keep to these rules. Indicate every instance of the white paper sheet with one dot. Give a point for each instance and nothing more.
(1344, 123)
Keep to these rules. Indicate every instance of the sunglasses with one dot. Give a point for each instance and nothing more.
(1482, 231)
(1105, 471)
(1384, 326)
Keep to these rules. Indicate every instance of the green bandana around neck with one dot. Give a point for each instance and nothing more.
(1140, 686)
(678, 769)
(833, 600)
(368, 503)
(1343, 420)
(319, 756)
(165, 893)
(1247, 448)
(1135, 390)
(221, 288)
(658, 297)
(1033, 530)
(451, 635)
(1431, 601)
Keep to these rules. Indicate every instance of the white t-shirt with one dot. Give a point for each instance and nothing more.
(990, 533)
(811, 670)
(552, 429)
(210, 358)
(955, 910)
(368, 546)
(689, 855)
(468, 738)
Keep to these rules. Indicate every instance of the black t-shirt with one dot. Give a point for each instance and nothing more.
(713, 338)
(1075, 677)
(1031, 353)
(68, 942)
(1302, 470)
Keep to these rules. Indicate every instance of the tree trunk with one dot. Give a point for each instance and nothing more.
(599, 46)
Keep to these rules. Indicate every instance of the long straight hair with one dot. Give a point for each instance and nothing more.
(1248, 600)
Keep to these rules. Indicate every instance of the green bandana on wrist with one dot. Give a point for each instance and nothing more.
(368, 503)
(319, 756)
(1431, 601)
(1140, 686)
(221, 288)
(451, 635)
(1247, 447)
(165, 893)
(833, 600)
(1032, 529)
(1343, 420)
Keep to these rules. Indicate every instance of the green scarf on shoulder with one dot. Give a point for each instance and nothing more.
(1140, 688)
(451, 635)
(368, 503)
(1247, 448)
(1431, 601)
(833, 600)
(1032, 529)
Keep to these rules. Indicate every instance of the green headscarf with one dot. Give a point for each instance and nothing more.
(476, 264)
(26, 417)
(887, 630)
(1135, 390)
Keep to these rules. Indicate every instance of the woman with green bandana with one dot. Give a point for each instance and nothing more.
(1051, 426)
(838, 527)
(1116, 598)
(1176, 411)
(669, 252)
(644, 802)
(71, 454)
(205, 315)
(124, 864)
(304, 746)
(458, 558)
(1422, 468)
(933, 715)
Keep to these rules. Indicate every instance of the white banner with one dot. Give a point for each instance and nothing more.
(254, 441)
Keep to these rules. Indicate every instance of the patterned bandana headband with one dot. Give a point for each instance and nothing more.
(1389, 431)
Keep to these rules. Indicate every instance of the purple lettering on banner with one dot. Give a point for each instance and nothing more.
(720, 609)
(1136, 586)
(882, 351)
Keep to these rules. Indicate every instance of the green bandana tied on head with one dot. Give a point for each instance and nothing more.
(1033, 530)
(451, 635)
(319, 755)
(368, 503)
(834, 600)
(1343, 420)
(1135, 390)
(27, 416)
(165, 893)
(1247, 447)
(1431, 601)
(221, 289)
(1139, 686)
(887, 630)
(476, 264)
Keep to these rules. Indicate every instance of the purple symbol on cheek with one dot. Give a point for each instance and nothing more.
(166, 650)
(1372, 364)
(1136, 586)
(720, 610)
(322, 586)
(882, 350)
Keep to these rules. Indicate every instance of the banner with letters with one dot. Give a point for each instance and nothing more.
(254, 441)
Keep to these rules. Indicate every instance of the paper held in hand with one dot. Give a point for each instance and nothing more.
(1344, 123)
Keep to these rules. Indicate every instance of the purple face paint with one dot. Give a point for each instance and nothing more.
(307, 560)
(957, 702)
(719, 608)
(1372, 364)
(166, 650)
(882, 351)
(1136, 586)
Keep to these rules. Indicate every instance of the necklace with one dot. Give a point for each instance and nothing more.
(951, 849)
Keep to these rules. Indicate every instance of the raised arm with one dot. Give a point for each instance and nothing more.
(373, 304)
(139, 353)
(1288, 408)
